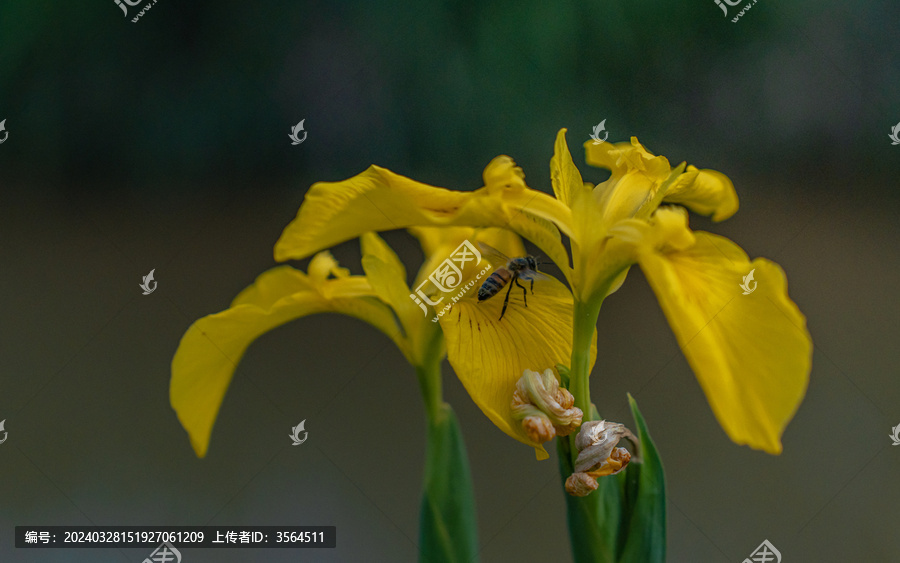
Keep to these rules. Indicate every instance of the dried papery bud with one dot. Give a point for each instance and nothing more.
(539, 396)
(598, 455)
(581, 484)
(616, 462)
(596, 442)
(539, 428)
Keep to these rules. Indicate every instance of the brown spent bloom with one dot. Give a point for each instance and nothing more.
(598, 455)
(544, 408)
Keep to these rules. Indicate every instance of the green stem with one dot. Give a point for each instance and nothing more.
(584, 322)
(447, 526)
(430, 385)
(592, 527)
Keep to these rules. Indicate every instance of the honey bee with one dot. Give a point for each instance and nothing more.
(509, 271)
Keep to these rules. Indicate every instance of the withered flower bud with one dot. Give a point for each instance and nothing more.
(598, 455)
(545, 409)
(539, 428)
(581, 484)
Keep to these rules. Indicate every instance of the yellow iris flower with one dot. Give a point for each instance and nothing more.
(210, 350)
(751, 353)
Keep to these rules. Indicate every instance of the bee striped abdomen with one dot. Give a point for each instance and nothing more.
(494, 284)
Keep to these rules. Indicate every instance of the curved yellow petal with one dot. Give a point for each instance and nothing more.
(564, 175)
(379, 200)
(386, 274)
(625, 157)
(489, 355)
(210, 350)
(751, 353)
(706, 192)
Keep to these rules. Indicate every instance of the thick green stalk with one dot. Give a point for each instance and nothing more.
(624, 520)
(592, 537)
(447, 524)
(584, 322)
(430, 386)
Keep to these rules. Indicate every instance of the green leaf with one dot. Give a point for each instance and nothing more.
(447, 525)
(624, 520)
(592, 519)
(644, 501)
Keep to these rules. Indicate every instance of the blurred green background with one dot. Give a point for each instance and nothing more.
(163, 144)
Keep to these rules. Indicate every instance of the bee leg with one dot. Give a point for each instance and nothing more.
(505, 303)
(524, 292)
(532, 287)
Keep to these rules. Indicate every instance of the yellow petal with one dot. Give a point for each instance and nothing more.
(379, 200)
(210, 350)
(545, 236)
(564, 174)
(489, 355)
(387, 275)
(706, 192)
(750, 353)
(625, 157)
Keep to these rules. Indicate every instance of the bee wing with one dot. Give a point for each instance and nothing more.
(533, 275)
(496, 258)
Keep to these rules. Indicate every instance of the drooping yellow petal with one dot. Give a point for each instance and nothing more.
(706, 192)
(210, 350)
(750, 353)
(379, 200)
(386, 273)
(489, 355)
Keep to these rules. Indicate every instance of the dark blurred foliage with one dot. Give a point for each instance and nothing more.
(202, 95)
